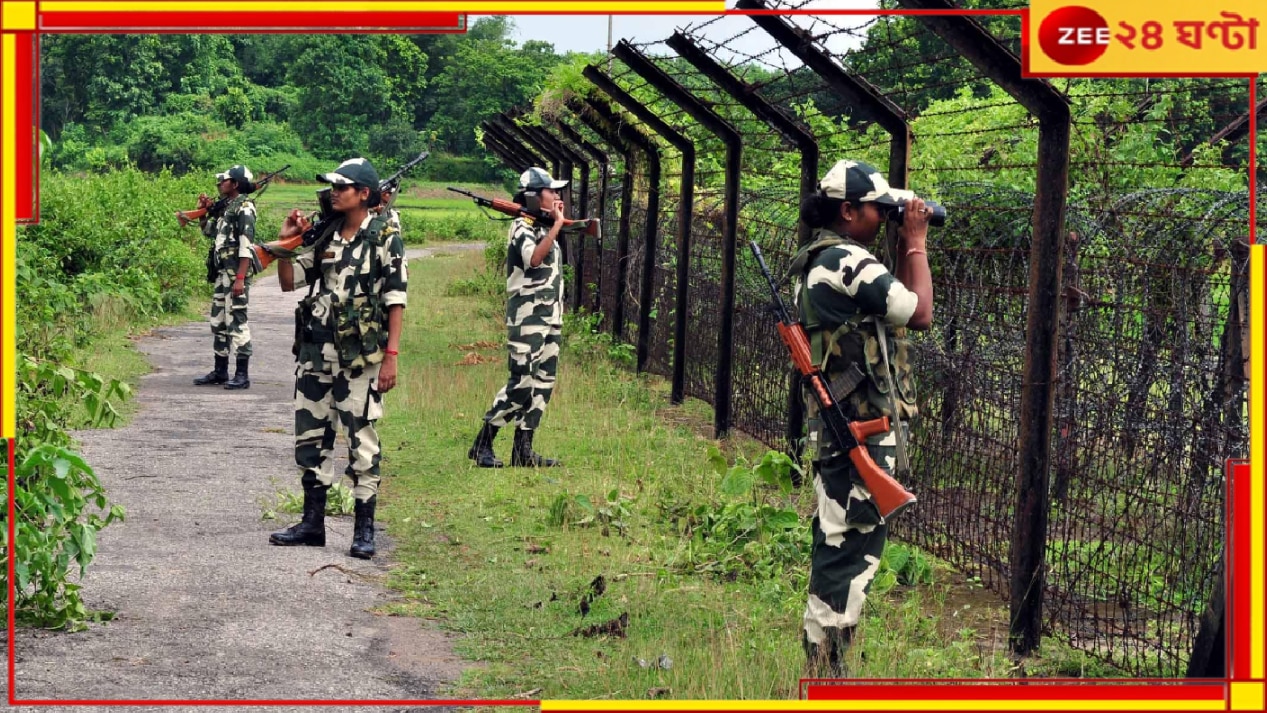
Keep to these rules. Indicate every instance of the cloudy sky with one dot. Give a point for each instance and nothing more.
(588, 33)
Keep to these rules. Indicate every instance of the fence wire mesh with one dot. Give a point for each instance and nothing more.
(1151, 384)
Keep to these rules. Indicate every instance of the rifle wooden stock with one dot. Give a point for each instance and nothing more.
(889, 495)
(264, 258)
(185, 217)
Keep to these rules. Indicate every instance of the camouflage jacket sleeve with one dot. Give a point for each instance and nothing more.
(246, 229)
(523, 240)
(303, 264)
(847, 280)
(395, 272)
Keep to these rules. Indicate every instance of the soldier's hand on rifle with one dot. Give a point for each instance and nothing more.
(204, 201)
(294, 224)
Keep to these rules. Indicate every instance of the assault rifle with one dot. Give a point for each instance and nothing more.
(850, 435)
(391, 184)
(586, 226)
(184, 217)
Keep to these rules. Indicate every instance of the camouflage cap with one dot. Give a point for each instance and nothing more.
(353, 170)
(534, 179)
(859, 182)
(237, 173)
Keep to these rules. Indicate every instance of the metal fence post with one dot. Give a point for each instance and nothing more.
(1042, 323)
(798, 134)
(686, 197)
(734, 151)
(601, 157)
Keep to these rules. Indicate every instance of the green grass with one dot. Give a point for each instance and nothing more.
(428, 212)
(504, 557)
(496, 556)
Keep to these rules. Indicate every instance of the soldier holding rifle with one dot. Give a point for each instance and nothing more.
(347, 342)
(855, 313)
(534, 319)
(232, 227)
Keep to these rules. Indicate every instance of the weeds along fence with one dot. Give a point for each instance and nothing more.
(1085, 378)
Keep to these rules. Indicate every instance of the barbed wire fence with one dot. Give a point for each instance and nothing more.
(1085, 378)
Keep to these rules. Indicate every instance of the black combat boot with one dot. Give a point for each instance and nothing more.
(241, 378)
(363, 530)
(523, 455)
(482, 452)
(312, 529)
(219, 375)
(827, 660)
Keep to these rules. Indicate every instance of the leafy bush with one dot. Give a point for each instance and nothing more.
(59, 501)
(182, 142)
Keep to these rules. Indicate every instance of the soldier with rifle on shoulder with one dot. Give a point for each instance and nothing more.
(230, 223)
(347, 342)
(534, 319)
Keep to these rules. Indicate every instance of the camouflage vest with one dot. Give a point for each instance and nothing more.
(849, 354)
(358, 320)
(227, 233)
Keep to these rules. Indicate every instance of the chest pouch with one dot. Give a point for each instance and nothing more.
(359, 332)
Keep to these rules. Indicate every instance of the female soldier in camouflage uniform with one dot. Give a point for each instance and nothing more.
(347, 346)
(233, 231)
(848, 303)
(534, 317)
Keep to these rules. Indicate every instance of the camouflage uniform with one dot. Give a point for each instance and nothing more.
(534, 318)
(841, 291)
(338, 381)
(234, 235)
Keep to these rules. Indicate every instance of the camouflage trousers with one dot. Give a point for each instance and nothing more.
(349, 397)
(228, 317)
(533, 362)
(848, 539)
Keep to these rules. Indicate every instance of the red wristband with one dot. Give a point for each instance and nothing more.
(393, 352)
(241, 277)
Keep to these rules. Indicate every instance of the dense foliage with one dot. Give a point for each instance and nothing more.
(106, 254)
(188, 102)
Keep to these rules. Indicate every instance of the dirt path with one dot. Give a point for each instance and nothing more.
(206, 608)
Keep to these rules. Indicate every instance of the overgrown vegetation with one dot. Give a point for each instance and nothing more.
(203, 102)
(657, 562)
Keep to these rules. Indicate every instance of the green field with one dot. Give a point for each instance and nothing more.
(428, 212)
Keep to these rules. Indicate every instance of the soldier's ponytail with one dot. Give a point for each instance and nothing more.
(819, 211)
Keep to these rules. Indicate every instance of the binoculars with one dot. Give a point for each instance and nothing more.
(937, 219)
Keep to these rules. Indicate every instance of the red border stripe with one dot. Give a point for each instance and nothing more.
(26, 152)
(212, 21)
(1021, 691)
(1241, 497)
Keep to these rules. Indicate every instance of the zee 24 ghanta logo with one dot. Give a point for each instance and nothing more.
(1076, 35)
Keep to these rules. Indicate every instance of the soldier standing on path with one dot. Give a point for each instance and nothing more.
(856, 314)
(233, 231)
(347, 342)
(534, 319)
